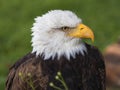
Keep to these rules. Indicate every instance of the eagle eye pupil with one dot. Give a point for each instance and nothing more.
(64, 28)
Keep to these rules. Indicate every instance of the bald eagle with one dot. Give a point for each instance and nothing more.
(58, 48)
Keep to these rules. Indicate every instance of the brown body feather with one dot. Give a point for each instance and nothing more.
(82, 73)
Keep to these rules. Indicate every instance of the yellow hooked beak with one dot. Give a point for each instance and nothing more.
(82, 31)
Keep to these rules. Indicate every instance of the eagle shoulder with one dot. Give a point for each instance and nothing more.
(23, 72)
(98, 60)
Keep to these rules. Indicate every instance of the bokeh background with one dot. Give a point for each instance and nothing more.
(17, 17)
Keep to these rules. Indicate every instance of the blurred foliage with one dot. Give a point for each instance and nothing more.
(17, 16)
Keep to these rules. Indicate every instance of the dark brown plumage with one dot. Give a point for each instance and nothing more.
(82, 73)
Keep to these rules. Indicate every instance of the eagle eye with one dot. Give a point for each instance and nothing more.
(65, 28)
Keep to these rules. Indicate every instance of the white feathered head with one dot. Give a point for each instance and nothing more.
(58, 33)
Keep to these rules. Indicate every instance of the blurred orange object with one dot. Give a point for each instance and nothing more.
(112, 61)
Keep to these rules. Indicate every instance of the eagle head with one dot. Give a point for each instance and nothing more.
(59, 33)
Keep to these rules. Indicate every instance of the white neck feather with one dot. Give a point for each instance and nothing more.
(57, 45)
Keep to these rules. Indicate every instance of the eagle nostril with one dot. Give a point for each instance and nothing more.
(81, 28)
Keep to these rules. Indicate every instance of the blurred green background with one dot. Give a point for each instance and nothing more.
(17, 17)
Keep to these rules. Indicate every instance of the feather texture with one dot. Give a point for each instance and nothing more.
(49, 41)
(81, 73)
